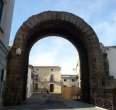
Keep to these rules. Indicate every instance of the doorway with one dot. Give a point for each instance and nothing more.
(51, 87)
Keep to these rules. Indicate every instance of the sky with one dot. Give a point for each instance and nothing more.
(99, 14)
(55, 51)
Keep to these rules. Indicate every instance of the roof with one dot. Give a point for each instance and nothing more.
(68, 75)
(110, 46)
(47, 67)
(30, 66)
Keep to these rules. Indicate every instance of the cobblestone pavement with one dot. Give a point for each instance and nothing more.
(47, 102)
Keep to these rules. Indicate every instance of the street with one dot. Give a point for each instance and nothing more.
(50, 102)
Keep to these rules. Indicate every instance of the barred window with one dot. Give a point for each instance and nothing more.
(73, 80)
(36, 77)
(51, 78)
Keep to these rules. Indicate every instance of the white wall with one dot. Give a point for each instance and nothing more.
(29, 83)
(111, 53)
(69, 82)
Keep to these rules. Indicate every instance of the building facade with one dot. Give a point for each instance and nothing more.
(70, 87)
(111, 55)
(70, 80)
(6, 13)
(47, 79)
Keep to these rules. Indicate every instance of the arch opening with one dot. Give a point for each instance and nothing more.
(56, 60)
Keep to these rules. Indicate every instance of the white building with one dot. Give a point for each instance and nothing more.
(70, 81)
(111, 55)
(70, 87)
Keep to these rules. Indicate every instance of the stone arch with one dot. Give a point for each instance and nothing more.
(63, 24)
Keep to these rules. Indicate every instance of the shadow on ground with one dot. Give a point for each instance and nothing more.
(50, 102)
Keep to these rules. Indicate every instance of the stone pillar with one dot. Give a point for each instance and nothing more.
(13, 92)
(85, 85)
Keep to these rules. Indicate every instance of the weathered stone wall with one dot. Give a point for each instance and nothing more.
(114, 99)
(108, 82)
(108, 101)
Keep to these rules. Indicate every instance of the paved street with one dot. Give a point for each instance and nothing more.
(50, 102)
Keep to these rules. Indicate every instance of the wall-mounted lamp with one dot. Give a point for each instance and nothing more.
(18, 51)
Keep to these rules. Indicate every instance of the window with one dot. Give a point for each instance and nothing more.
(51, 78)
(36, 77)
(105, 55)
(1, 8)
(51, 69)
(73, 80)
(36, 86)
(78, 84)
(51, 87)
(2, 75)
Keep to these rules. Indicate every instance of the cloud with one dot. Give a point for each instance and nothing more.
(54, 51)
(42, 59)
(94, 12)
(106, 30)
(68, 64)
(100, 14)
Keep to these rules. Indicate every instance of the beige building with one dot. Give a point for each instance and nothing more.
(70, 80)
(70, 87)
(47, 79)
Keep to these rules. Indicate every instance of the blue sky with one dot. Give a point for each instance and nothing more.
(55, 51)
(100, 14)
